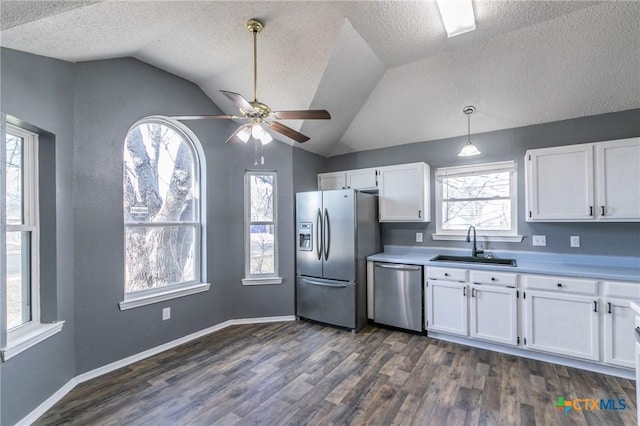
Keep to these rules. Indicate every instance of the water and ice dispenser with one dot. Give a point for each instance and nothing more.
(305, 242)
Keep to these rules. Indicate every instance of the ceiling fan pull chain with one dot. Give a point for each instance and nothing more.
(255, 163)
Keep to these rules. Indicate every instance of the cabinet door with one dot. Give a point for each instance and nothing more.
(618, 174)
(563, 324)
(446, 307)
(329, 181)
(619, 321)
(404, 193)
(362, 179)
(560, 183)
(494, 314)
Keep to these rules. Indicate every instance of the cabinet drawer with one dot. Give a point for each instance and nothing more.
(561, 284)
(449, 274)
(494, 278)
(625, 290)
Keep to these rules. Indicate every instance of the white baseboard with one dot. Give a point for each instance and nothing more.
(60, 393)
(48, 403)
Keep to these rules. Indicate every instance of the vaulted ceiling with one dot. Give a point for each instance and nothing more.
(384, 69)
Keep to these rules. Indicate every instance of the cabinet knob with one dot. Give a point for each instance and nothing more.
(559, 284)
(446, 274)
(493, 279)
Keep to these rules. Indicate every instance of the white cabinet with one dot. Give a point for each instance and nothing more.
(329, 181)
(361, 179)
(560, 183)
(618, 179)
(618, 321)
(494, 314)
(586, 182)
(404, 193)
(445, 300)
(561, 316)
(446, 307)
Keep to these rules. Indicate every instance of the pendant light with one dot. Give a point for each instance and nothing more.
(468, 149)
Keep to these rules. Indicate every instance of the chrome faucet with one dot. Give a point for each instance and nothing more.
(475, 252)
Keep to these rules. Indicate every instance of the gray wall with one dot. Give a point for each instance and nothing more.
(39, 91)
(88, 109)
(306, 166)
(621, 239)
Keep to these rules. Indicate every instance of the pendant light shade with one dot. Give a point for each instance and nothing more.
(469, 149)
(258, 132)
(245, 133)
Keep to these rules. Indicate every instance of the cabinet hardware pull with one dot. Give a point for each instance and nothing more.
(603, 213)
(590, 210)
(473, 292)
(609, 310)
(464, 291)
(420, 214)
(446, 274)
(595, 306)
(559, 284)
(493, 279)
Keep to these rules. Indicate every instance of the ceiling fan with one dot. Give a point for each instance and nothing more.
(259, 114)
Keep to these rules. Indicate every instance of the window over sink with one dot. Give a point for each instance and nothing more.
(479, 195)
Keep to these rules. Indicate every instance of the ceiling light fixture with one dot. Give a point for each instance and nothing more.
(457, 16)
(469, 149)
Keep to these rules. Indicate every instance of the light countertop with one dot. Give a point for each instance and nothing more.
(573, 265)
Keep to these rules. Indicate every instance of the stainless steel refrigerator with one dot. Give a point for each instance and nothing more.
(336, 231)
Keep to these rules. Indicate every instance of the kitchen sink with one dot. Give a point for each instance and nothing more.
(471, 259)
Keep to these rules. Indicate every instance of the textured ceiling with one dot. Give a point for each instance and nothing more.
(384, 69)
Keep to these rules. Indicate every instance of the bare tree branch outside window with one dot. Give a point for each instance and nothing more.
(160, 209)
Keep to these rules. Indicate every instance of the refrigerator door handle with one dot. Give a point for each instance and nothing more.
(321, 283)
(319, 233)
(327, 233)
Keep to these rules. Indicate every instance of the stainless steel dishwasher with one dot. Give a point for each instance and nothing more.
(397, 295)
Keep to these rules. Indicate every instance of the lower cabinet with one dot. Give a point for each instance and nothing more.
(618, 322)
(494, 314)
(446, 307)
(564, 324)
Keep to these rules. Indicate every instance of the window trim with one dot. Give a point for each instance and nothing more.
(486, 235)
(260, 279)
(30, 222)
(149, 296)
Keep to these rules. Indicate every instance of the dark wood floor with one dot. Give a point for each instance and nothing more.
(303, 373)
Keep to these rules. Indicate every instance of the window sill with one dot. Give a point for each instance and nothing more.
(135, 301)
(20, 341)
(262, 281)
(480, 238)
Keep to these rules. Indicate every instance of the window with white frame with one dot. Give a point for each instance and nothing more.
(480, 195)
(161, 212)
(22, 232)
(261, 242)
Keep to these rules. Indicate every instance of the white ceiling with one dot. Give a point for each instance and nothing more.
(384, 69)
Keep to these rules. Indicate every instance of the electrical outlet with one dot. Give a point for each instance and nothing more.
(166, 314)
(575, 241)
(539, 240)
(418, 237)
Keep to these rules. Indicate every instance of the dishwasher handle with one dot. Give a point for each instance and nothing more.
(396, 266)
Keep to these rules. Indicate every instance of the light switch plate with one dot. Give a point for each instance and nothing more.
(575, 241)
(166, 314)
(539, 240)
(418, 237)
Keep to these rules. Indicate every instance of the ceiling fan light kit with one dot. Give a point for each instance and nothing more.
(258, 113)
(469, 149)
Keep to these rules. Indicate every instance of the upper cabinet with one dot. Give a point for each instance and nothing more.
(598, 181)
(403, 190)
(361, 179)
(404, 193)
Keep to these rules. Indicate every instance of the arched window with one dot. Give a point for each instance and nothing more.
(162, 211)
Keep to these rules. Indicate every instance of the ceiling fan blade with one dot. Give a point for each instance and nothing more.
(234, 138)
(313, 114)
(239, 100)
(288, 132)
(204, 117)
